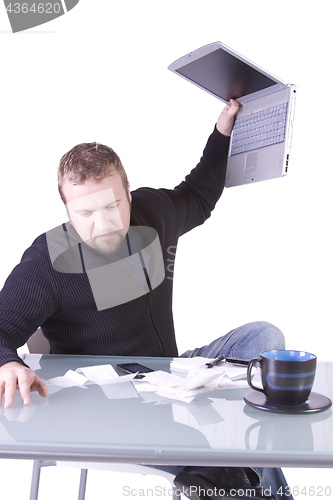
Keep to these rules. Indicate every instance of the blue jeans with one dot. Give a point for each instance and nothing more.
(246, 342)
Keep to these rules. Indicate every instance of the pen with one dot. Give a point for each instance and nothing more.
(214, 362)
(239, 362)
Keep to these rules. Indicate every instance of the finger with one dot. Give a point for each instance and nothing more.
(10, 390)
(42, 388)
(24, 386)
(39, 386)
(2, 391)
(226, 119)
(234, 107)
(230, 110)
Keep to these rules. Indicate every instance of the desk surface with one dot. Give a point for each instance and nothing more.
(115, 424)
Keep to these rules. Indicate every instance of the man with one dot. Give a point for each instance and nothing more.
(98, 284)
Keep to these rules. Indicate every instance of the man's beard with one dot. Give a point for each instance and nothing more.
(108, 243)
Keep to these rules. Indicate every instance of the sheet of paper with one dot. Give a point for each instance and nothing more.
(100, 375)
(187, 365)
(186, 389)
(70, 379)
(184, 364)
(103, 374)
(119, 391)
(190, 377)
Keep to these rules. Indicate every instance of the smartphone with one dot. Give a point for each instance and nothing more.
(134, 368)
(237, 362)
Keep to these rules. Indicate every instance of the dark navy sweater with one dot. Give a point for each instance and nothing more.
(36, 294)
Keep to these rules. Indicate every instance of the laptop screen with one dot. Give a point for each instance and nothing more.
(225, 75)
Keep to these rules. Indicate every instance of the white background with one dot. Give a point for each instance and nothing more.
(100, 73)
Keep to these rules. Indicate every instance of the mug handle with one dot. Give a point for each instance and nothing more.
(249, 369)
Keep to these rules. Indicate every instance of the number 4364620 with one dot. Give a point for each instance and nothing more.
(35, 8)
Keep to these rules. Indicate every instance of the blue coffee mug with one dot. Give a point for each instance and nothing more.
(287, 376)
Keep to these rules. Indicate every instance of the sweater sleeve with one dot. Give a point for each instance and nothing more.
(190, 203)
(26, 300)
(202, 188)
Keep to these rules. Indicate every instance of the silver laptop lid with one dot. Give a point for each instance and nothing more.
(225, 74)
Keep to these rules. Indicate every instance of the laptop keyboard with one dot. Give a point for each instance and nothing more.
(259, 129)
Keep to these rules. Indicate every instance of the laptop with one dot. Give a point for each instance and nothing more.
(261, 138)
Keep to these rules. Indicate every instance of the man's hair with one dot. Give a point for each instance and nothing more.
(89, 160)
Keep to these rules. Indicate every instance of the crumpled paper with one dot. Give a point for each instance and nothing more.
(99, 374)
(191, 377)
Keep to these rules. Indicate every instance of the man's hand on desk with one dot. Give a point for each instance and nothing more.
(226, 119)
(14, 376)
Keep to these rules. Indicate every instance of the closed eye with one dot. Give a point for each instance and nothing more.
(113, 206)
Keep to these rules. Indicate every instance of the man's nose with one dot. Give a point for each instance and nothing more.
(105, 221)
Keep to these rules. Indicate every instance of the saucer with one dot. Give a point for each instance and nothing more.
(315, 403)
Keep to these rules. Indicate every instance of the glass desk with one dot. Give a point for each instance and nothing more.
(115, 424)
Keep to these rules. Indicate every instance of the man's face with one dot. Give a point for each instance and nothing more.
(99, 211)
